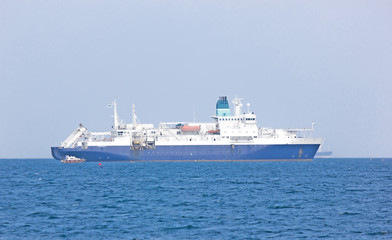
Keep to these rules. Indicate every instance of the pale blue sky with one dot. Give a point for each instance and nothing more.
(62, 62)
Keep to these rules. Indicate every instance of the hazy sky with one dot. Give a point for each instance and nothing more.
(62, 62)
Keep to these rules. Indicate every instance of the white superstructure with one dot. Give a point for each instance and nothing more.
(240, 129)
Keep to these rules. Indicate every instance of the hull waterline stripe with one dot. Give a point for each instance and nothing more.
(243, 160)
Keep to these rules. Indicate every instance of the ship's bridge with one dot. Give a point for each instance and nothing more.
(237, 125)
(245, 118)
(223, 114)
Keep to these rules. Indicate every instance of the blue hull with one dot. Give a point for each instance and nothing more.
(192, 153)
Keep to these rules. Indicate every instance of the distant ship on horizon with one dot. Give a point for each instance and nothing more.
(323, 154)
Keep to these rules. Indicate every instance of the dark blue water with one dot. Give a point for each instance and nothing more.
(331, 198)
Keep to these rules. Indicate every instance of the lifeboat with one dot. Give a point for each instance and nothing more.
(187, 128)
(214, 131)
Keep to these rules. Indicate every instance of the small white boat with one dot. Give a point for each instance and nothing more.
(72, 159)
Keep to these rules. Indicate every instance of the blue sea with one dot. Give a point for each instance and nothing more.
(324, 198)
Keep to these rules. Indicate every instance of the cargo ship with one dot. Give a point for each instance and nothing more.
(228, 137)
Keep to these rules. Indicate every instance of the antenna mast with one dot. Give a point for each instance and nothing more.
(115, 126)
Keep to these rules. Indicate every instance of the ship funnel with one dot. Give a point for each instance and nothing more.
(222, 107)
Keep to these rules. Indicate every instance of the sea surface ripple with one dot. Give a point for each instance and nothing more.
(325, 198)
